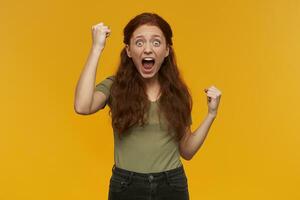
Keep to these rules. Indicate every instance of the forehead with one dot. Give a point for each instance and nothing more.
(147, 31)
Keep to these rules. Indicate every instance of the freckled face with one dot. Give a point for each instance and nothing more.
(147, 42)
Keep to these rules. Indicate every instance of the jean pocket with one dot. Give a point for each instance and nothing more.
(118, 183)
(178, 182)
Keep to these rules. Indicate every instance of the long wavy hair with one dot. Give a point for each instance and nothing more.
(129, 102)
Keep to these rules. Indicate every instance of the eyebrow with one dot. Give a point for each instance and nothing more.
(155, 35)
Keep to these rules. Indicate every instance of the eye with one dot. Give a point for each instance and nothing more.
(156, 42)
(139, 43)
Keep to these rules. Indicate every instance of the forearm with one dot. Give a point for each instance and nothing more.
(196, 139)
(86, 84)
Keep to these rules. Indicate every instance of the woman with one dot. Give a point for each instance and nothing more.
(150, 106)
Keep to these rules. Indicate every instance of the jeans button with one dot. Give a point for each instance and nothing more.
(150, 178)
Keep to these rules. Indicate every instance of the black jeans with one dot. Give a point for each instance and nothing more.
(166, 185)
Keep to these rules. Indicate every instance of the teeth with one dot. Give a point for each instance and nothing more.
(148, 59)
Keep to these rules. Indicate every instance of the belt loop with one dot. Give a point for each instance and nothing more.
(130, 177)
(167, 178)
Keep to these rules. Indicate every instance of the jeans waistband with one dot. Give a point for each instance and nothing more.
(149, 176)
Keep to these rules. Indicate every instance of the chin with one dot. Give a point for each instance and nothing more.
(147, 76)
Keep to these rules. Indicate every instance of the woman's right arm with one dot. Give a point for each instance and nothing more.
(87, 100)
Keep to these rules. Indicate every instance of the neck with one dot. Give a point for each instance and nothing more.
(153, 88)
(152, 83)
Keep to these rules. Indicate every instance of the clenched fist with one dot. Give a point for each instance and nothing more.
(99, 34)
(213, 99)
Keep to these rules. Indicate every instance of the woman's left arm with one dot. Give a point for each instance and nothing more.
(191, 142)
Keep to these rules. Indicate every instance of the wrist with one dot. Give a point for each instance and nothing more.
(97, 49)
(212, 115)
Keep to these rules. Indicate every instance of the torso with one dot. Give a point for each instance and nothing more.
(153, 97)
(153, 94)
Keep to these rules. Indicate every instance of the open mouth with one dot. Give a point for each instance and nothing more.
(148, 63)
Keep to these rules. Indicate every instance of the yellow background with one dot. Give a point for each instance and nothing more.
(247, 49)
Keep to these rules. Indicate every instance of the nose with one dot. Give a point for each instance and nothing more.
(148, 48)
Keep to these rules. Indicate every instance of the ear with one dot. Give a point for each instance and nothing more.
(128, 51)
(167, 51)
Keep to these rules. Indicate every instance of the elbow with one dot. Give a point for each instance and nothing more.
(80, 111)
(186, 156)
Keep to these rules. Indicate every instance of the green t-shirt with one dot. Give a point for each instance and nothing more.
(145, 149)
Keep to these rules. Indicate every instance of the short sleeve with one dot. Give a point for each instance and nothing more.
(105, 85)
